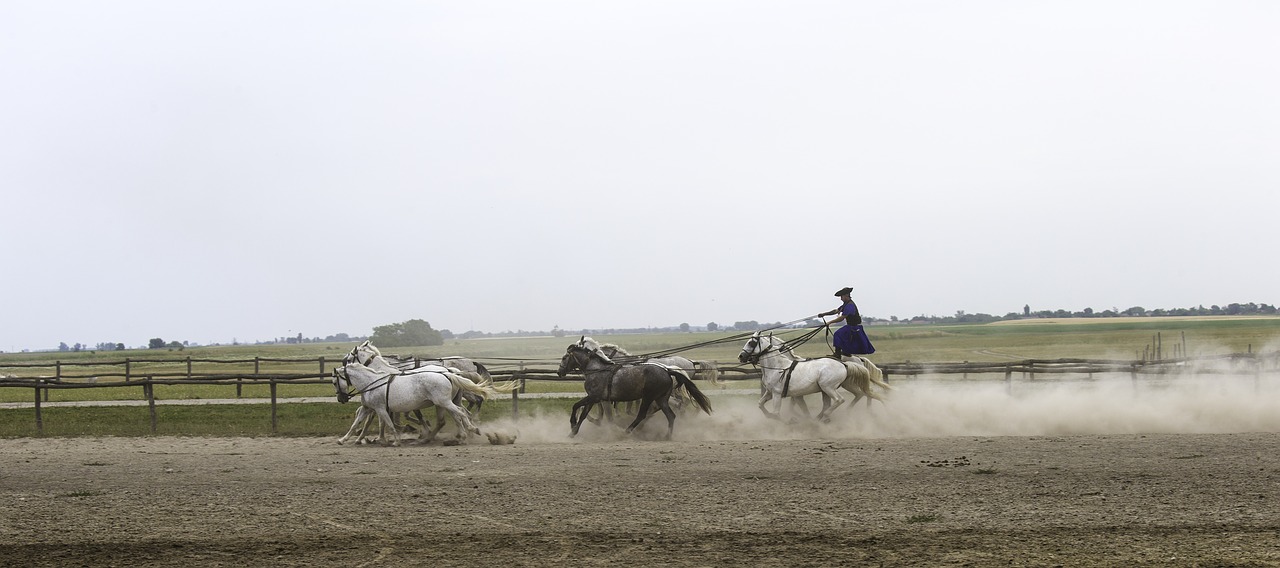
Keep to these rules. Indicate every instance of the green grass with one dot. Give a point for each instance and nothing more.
(294, 419)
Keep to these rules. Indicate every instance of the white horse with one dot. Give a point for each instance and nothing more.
(784, 374)
(384, 393)
(368, 355)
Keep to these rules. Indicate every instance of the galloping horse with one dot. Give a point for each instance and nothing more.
(607, 382)
(368, 355)
(385, 393)
(784, 374)
(695, 369)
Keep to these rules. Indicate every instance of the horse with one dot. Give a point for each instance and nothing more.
(609, 382)
(695, 369)
(615, 354)
(384, 393)
(367, 354)
(783, 374)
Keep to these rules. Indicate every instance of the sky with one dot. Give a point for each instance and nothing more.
(241, 171)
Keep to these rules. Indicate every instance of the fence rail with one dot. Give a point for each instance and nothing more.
(146, 373)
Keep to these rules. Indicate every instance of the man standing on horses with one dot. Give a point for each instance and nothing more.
(850, 339)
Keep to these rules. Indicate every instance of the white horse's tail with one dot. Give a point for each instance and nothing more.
(859, 377)
(466, 385)
(877, 376)
(708, 370)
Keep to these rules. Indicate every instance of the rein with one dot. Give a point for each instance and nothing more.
(612, 369)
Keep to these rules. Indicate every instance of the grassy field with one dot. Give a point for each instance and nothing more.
(1113, 338)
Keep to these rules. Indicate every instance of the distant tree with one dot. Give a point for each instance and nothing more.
(175, 345)
(155, 343)
(63, 346)
(1026, 309)
(119, 347)
(713, 326)
(746, 325)
(684, 327)
(412, 333)
(556, 331)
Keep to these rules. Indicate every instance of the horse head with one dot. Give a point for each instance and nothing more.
(339, 377)
(576, 357)
(755, 348)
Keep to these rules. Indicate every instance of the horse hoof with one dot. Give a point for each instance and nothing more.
(452, 442)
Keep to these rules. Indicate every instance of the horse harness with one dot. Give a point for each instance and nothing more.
(386, 400)
(786, 373)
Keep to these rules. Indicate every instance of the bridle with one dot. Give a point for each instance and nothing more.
(340, 376)
(754, 358)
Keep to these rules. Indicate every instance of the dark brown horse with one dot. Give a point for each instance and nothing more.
(607, 382)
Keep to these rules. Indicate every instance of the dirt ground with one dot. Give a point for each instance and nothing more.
(1111, 500)
(1084, 473)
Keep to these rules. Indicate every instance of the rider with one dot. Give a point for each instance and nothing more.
(850, 339)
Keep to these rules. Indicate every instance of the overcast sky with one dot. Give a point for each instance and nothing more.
(218, 171)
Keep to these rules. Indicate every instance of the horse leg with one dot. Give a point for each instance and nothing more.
(799, 405)
(362, 418)
(575, 420)
(829, 391)
(665, 407)
(366, 430)
(765, 399)
(462, 419)
(388, 424)
(640, 416)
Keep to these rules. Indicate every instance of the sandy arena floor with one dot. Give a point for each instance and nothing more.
(731, 489)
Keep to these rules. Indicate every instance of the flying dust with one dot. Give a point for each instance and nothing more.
(1187, 404)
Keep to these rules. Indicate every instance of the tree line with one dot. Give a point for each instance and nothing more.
(418, 332)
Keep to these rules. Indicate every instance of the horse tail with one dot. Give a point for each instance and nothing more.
(877, 376)
(683, 380)
(708, 370)
(463, 384)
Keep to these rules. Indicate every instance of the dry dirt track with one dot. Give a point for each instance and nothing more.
(1117, 500)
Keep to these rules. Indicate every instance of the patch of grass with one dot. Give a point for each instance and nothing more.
(300, 419)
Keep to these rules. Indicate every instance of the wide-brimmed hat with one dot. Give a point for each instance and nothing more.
(843, 291)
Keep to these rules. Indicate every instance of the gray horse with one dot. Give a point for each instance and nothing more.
(608, 382)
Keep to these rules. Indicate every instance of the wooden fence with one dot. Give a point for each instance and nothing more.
(146, 373)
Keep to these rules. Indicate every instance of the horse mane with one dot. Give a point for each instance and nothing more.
(615, 349)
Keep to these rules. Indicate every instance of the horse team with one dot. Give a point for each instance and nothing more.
(389, 389)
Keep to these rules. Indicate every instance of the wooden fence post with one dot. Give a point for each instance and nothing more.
(274, 421)
(515, 404)
(1008, 379)
(39, 417)
(149, 390)
(127, 368)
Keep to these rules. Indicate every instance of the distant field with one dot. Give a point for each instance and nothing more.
(1117, 339)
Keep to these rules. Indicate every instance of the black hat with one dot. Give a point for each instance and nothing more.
(843, 291)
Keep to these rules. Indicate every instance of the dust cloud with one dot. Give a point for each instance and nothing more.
(922, 408)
